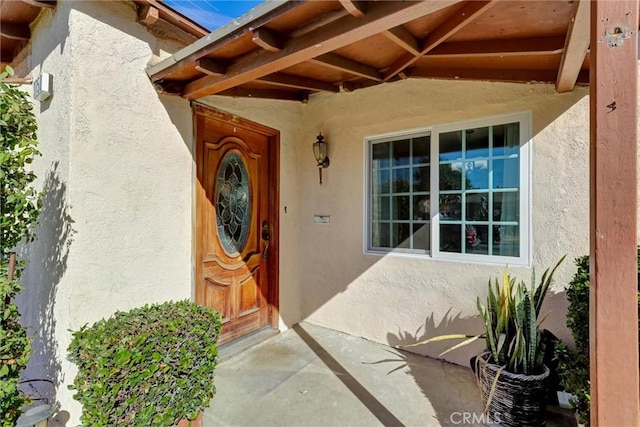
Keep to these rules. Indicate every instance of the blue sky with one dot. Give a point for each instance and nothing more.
(212, 14)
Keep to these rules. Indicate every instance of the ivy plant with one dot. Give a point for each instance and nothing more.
(150, 366)
(20, 205)
(19, 200)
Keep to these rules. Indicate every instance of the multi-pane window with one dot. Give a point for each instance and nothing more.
(469, 207)
(400, 200)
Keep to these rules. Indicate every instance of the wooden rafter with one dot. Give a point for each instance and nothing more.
(576, 46)
(321, 21)
(15, 31)
(346, 65)
(203, 47)
(148, 14)
(498, 75)
(241, 92)
(41, 3)
(268, 40)
(452, 24)
(380, 17)
(404, 39)
(210, 67)
(507, 47)
(354, 7)
(287, 80)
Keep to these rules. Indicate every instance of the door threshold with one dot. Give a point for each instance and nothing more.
(237, 346)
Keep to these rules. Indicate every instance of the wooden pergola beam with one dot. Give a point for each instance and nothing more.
(337, 62)
(404, 39)
(210, 67)
(50, 4)
(576, 46)
(508, 47)
(355, 8)
(242, 92)
(452, 24)
(380, 16)
(15, 31)
(268, 40)
(148, 14)
(497, 74)
(613, 328)
(287, 80)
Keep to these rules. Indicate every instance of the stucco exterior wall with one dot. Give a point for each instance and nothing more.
(116, 228)
(397, 299)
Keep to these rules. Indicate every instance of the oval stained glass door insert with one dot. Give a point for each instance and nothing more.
(233, 204)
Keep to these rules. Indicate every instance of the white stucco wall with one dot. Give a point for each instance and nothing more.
(116, 228)
(388, 298)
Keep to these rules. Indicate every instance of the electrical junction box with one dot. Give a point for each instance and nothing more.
(322, 219)
(43, 87)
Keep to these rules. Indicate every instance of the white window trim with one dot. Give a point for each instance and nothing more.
(525, 120)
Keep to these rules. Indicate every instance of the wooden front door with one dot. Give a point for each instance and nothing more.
(236, 221)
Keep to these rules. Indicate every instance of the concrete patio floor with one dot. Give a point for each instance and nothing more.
(312, 376)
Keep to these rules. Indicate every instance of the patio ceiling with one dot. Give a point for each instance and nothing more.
(290, 49)
(15, 19)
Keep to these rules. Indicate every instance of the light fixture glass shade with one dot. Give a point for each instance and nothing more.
(320, 151)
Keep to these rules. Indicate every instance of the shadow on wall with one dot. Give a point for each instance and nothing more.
(46, 265)
(425, 378)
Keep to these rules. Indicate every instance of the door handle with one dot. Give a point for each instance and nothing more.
(265, 237)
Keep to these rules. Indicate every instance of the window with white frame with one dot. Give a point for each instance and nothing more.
(458, 191)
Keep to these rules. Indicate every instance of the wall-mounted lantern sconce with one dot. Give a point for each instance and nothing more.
(320, 153)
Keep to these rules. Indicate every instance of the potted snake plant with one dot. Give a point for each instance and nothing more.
(511, 373)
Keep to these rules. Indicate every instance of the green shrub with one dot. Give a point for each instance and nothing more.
(19, 201)
(573, 366)
(15, 348)
(151, 366)
(19, 209)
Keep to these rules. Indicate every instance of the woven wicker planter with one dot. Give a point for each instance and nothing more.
(518, 401)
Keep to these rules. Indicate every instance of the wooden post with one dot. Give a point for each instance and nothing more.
(12, 266)
(613, 179)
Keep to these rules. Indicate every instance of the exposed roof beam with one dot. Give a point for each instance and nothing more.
(268, 40)
(347, 65)
(148, 14)
(354, 7)
(404, 39)
(576, 46)
(41, 3)
(321, 21)
(243, 92)
(210, 67)
(263, 13)
(15, 31)
(500, 75)
(287, 80)
(380, 16)
(507, 47)
(452, 24)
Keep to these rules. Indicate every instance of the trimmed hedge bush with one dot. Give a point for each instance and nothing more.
(151, 366)
(573, 366)
(15, 348)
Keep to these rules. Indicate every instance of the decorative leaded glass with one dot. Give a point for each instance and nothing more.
(233, 203)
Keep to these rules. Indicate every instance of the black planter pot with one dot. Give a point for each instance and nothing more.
(518, 400)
